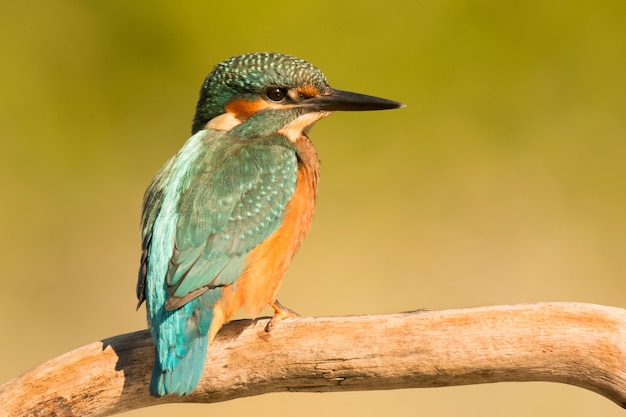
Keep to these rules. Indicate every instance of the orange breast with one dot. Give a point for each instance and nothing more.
(267, 263)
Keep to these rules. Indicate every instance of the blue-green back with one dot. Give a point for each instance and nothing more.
(207, 208)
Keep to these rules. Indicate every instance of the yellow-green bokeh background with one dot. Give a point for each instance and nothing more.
(503, 181)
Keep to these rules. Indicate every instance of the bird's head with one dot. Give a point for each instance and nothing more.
(261, 93)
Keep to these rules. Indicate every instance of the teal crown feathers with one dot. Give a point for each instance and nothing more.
(249, 73)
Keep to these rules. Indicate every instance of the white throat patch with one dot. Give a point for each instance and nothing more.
(302, 124)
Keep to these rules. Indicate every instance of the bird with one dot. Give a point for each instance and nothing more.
(223, 218)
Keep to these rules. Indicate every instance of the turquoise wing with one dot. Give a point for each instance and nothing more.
(224, 213)
(205, 211)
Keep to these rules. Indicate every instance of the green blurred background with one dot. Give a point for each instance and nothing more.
(501, 182)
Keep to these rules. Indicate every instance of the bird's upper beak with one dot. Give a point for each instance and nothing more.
(339, 100)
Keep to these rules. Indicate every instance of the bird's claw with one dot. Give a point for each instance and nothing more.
(280, 313)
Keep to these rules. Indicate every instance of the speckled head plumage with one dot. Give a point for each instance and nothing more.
(246, 76)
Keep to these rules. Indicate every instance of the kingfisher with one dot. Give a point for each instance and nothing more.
(223, 218)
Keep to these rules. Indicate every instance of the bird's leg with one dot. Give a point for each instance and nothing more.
(280, 312)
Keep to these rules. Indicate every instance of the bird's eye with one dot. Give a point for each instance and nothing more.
(276, 94)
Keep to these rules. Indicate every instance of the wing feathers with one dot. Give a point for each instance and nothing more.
(227, 209)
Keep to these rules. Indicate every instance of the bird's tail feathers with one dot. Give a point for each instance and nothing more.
(184, 377)
(181, 350)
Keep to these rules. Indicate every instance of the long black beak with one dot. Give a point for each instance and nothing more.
(339, 100)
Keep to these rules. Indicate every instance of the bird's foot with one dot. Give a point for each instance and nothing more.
(280, 312)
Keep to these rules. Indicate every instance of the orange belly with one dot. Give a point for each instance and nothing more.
(267, 263)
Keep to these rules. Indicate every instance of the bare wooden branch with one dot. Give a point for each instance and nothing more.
(572, 343)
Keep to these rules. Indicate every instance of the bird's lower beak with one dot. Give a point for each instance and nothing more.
(339, 100)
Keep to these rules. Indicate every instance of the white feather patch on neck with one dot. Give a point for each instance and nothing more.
(294, 129)
(223, 122)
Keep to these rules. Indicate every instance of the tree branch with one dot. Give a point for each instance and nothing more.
(572, 343)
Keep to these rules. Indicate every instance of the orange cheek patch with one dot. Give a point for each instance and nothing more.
(308, 90)
(244, 109)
